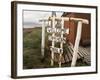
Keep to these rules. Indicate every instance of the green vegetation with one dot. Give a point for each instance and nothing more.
(32, 51)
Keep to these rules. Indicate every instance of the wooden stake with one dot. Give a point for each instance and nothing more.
(43, 39)
(77, 41)
(53, 35)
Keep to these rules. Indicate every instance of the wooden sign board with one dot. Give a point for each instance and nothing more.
(56, 50)
(57, 30)
(57, 39)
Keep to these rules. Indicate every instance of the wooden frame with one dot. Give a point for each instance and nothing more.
(16, 7)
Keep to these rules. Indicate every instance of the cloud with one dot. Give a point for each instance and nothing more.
(33, 17)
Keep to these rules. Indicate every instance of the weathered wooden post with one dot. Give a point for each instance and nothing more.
(53, 43)
(43, 39)
(61, 43)
(77, 41)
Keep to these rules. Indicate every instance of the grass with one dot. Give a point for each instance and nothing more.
(32, 51)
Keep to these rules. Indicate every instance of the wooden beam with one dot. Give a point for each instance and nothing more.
(85, 21)
(77, 41)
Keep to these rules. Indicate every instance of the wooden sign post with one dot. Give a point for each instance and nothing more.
(56, 39)
(53, 43)
(43, 39)
(61, 39)
(61, 44)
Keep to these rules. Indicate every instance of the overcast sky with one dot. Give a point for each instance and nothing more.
(31, 18)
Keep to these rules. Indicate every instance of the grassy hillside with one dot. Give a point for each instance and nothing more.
(32, 51)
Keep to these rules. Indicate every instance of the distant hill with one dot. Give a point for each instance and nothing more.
(31, 24)
(30, 29)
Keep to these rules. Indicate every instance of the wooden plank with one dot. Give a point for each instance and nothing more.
(87, 57)
(80, 53)
(83, 51)
(69, 54)
(71, 49)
